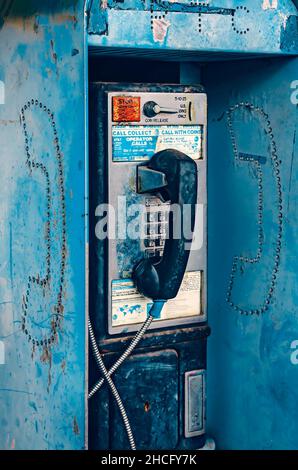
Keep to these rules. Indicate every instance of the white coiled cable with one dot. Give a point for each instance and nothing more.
(126, 353)
(112, 386)
(154, 313)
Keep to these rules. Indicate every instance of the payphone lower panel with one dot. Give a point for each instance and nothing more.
(163, 387)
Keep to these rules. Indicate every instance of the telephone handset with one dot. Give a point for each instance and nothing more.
(175, 177)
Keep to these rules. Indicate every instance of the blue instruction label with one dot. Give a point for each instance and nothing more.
(139, 143)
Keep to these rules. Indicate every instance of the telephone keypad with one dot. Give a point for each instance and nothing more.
(150, 217)
(161, 217)
(155, 227)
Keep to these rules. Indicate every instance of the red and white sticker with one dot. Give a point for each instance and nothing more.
(126, 109)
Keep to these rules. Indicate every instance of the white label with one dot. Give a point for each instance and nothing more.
(129, 307)
(140, 143)
(187, 139)
(2, 93)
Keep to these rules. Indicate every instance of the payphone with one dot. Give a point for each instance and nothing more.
(148, 262)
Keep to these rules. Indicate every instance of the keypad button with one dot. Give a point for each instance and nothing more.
(159, 253)
(150, 230)
(150, 216)
(149, 243)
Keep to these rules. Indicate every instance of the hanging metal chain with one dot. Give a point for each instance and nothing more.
(264, 118)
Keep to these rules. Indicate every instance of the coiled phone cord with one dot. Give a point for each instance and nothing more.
(153, 313)
(112, 386)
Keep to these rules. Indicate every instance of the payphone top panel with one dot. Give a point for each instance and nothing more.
(139, 124)
(197, 31)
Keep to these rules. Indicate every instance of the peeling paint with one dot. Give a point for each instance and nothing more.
(160, 29)
(75, 426)
(2, 353)
(63, 366)
(269, 4)
(289, 35)
(54, 55)
(2, 92)
(46, 358)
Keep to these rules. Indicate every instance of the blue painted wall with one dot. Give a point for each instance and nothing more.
(252, 377)
(252, 363)
(42, 219)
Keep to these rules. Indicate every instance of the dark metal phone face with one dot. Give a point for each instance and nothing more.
(140, 125)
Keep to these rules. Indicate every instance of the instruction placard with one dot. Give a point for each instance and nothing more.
(130, 307)
(139, 143)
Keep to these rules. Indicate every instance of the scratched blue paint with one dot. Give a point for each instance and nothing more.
(42, 387)
(252, 383)
(222, 26)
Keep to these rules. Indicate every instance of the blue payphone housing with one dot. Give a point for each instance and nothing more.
(50, 52)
